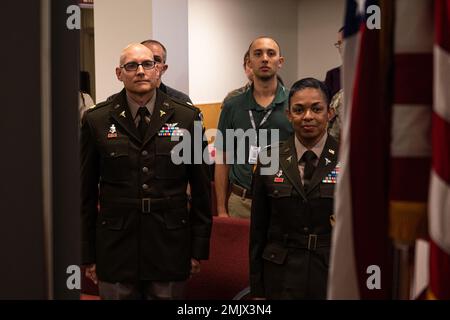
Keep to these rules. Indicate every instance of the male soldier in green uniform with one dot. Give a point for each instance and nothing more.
(143, 242)
(292, 210)
(263, 106)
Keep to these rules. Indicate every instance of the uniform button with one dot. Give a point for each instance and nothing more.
(306, 229)
(272, 256)
(112, 154)
(145, 170)
(144, 153)
(183, 221)
(103, 222)
(275, 193)
(145, 186)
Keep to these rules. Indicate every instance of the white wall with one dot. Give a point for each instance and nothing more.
(206, 39)
(170, 27)
(318, 23)
(117, 23)
(220, 32)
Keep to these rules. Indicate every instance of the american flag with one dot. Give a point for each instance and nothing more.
(360, 237)
(387, 149)
(439, 204)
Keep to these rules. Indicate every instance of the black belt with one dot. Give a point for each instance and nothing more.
(310, 241)
(145, 204)
(241, 192)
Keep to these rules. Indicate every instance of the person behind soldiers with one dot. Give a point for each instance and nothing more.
(139, 238)
(333, 76)
(263, 106)
(292, 209)
(248, 73)
(160, 55)
(333, 81)
(85, 102)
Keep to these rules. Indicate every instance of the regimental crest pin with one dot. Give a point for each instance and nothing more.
(278, 178)
(112, 132)
(161, 113)
(122, 114)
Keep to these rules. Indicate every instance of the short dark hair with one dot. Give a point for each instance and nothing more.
(265, 37)
(310, 83)
(151, 41)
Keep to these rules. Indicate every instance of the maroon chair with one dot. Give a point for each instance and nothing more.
(226, 274)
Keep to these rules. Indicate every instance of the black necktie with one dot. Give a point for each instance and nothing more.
(308, 157)
(143, 125)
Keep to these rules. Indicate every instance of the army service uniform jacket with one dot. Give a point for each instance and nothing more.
(290, 230)
(136, 224)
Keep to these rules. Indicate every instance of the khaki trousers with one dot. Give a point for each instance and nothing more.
(239, 207)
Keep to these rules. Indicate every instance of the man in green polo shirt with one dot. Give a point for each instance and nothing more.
(262, 107)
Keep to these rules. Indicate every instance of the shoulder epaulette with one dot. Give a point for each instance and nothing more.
(98, 106)
(186, 104)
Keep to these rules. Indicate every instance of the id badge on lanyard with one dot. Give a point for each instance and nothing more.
(255, 149)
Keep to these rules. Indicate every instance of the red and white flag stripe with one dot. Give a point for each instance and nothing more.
(439, 204)
(411, 117)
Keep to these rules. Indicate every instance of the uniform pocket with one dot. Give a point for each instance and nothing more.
(165, 166)
(111, 223)
(279, 190)
(164, 145)
(327, 190)
(275, 253)
(176, 219)
(116, 160)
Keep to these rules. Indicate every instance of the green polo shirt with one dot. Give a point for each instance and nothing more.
(235, 115)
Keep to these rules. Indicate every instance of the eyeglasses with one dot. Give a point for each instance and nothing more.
(338, 44)
(133, 66)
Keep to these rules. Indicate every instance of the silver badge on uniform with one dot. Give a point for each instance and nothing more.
(112, 132)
